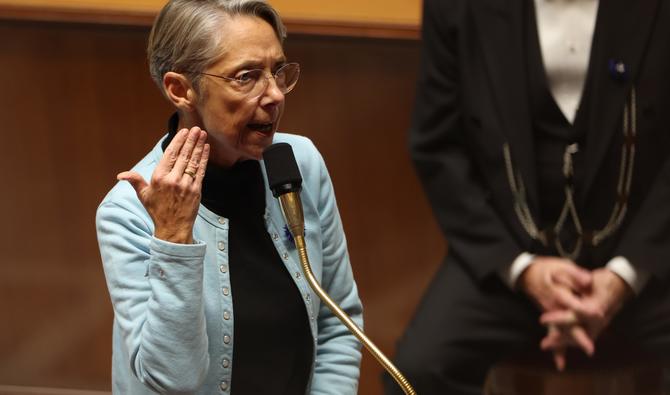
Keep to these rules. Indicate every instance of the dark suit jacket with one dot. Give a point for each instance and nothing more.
(472, 99)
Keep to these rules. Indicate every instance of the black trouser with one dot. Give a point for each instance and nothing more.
(462, 328)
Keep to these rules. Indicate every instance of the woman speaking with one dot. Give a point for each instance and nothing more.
(204, 279)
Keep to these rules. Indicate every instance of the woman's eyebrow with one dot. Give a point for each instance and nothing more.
(255, 64)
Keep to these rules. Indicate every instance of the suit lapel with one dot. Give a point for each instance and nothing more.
(622, 32)
(500, 25)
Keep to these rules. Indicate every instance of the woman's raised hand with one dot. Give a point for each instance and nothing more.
(173, 195)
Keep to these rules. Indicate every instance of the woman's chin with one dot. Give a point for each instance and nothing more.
(256, 151)
(259, 141)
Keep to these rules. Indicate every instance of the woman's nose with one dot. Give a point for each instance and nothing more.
(272, 92)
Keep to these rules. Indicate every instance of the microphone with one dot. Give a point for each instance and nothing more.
(285, 182)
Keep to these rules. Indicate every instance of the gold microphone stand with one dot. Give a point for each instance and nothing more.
(292, 209)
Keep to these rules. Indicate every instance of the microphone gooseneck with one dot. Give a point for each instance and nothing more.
(285, 183)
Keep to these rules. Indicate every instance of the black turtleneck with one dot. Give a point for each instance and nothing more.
(272, 351)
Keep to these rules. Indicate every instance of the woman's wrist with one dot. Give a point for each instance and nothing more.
(182, 236)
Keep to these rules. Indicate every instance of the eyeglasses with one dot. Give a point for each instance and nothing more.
(253, 83)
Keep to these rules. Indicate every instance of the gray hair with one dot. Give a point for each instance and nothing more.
(185, 36)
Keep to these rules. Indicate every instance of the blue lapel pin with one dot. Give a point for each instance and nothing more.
(288, 235)
(619, 71)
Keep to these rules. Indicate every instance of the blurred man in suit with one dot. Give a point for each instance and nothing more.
(541, 135)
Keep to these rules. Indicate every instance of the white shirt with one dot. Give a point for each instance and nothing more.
(565, 30)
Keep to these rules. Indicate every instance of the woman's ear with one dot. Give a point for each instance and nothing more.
(179, 91)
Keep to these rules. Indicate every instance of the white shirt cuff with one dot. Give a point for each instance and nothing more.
(510, 274)
(635, 278)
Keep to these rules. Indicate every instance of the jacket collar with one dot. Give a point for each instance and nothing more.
(500, 25)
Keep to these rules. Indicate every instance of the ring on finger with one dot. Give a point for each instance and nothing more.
(190, 173)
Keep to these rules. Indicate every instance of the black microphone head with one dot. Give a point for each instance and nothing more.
(282, 169)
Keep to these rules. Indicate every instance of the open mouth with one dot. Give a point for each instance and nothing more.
(261, 127)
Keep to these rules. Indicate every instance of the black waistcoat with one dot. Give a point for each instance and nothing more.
(552, 133)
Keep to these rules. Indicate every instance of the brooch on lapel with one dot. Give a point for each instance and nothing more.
(618, 70)
(289, 236)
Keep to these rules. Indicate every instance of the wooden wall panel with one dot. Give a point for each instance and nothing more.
(78, 106)
(373, 18)
(370, 11)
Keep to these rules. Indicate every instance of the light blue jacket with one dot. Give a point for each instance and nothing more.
(173, 305)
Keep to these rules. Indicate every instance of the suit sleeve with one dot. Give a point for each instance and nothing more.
(646, 240)
(441, 152)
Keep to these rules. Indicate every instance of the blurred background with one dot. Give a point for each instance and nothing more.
(78, 106)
